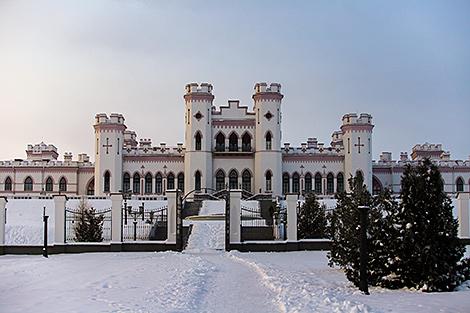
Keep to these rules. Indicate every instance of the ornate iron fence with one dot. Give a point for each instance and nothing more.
(144, 224)
(72, 217)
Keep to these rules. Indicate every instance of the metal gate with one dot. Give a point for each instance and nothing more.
(141, 224)
(73, 216)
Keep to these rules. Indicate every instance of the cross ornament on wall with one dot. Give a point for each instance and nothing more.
(359, 145)
(107, 146)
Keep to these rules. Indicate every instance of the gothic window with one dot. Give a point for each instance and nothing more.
(63, 184)
(360, 178)
(269, 143)
(220, 180)
(233, 179)
(158, 183)
(285, 183)
(8, 184)
(296, 183)
(198, 139)
(269, 177)
(459, 184)
(181, 182)
(28, 184)
(318, 189)
(148, 183)
(136, 184)
(340, 182)
(220, 142)
(107, 180)
(246, 142)
(246, 180)
(49, 184)
(376, 186)
(330, 184)
(170, 181)
(233, 142)
(308, 182)
(197, 181)
(126, 183)
(90, 190)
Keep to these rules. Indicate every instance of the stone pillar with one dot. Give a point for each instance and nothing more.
(3, 213)
(59, 217)
(291, 200)
(463, 214)
(116, 217)
(235, 210)
(171, 195)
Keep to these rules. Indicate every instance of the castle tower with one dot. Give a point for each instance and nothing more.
(268, 156)
(357, 141)
(198, 136)
(109, 135)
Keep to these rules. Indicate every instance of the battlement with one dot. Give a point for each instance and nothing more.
(114, 118)
(312, 146)
(354, 119)
(68, 156)
(41, 151)
(429, 150)
(196, 88)
(263, 87)
(145, 143)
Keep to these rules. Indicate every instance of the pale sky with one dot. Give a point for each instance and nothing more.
(405, 62)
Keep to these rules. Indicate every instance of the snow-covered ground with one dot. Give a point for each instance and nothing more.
(203, 278)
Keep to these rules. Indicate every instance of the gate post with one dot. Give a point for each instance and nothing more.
(291, 201)
(116, 217)
(235, 220)
(172, 197)
(59, 219)
(463, 208)
(3, 218)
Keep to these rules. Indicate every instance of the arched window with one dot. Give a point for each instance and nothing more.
(8, 186)
(181, 182)
(107, 180)
(198, 141)
(159, 183)
(246, 142)
(459, 184)
(246, 180)
(63, 183)
(126, 183)
(49, 184)
(28, 184)
(90, 189)
(330, 184)
(318, 189)
(220, 180)
(269, 177)
(359, 178)
(170, 181)
(376, 186)
(233, 142)
(136, 184)
(296, 183)
(340, 182)
(269, 143)
(197, 181)
(285, 183)
(233, 179)
(308, 182)
(220, 142)
(148, 183)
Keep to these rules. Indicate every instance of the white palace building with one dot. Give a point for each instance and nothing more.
(226, 147)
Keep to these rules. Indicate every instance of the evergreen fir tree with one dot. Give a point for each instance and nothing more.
(429, 249)
(311, 218)
(89, 224)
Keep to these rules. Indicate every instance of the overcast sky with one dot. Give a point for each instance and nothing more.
(405, 62)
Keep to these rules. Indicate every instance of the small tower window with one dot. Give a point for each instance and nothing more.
(107, 182)
(269, 177)
(8, 184)
(233, 142)
(246, 142)
(220, 180)
(28, 184)
(197, 181)
(220, 142)
(269, 143)
(62, 184)
(233, 179)
(459, 184)
(49, 184)
(198, 139)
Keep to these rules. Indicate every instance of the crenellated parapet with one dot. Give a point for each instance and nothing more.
(265, 93)
(353, 122)
(113, 123)
(41, 151)
(199, 92)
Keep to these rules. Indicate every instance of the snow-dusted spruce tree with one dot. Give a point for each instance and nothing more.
(311, 218)
(88, 224)
(428, 250)
(345, 233)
